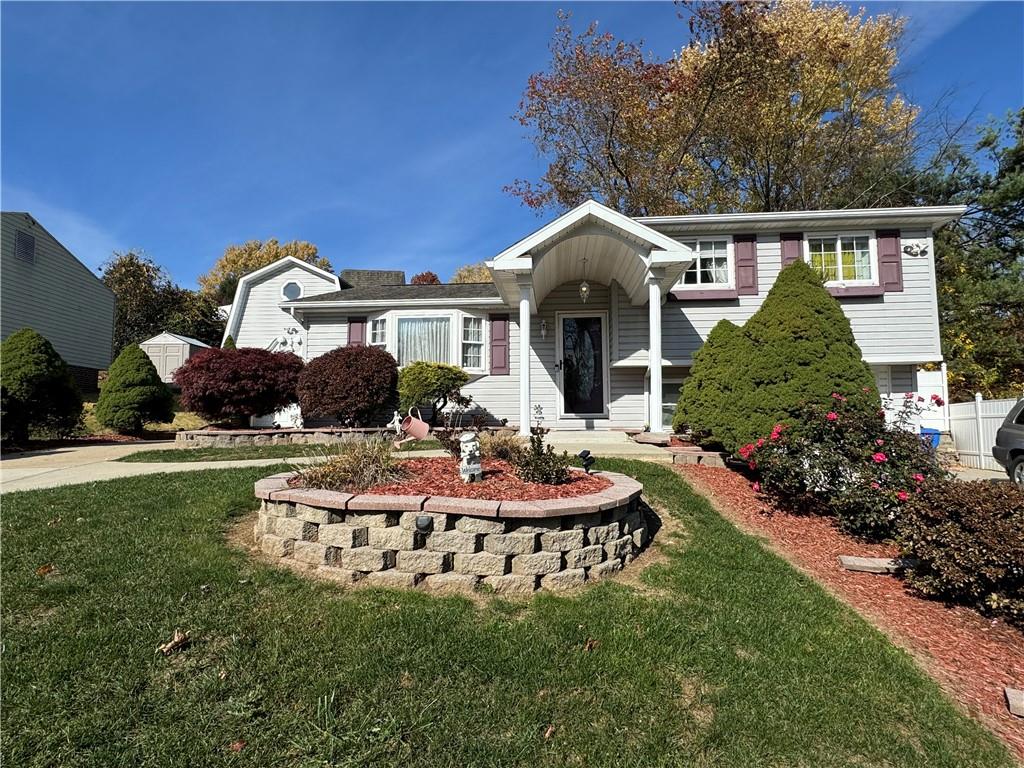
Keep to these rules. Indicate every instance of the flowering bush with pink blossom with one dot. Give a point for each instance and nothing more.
(847, 461)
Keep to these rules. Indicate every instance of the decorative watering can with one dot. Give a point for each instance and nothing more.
(414, 427)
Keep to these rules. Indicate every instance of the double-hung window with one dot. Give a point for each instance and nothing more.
(472, 342)
(842, 258)
(378, 332)
(712, 264)
(424, 339)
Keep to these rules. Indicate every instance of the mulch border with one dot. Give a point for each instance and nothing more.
(971, 657)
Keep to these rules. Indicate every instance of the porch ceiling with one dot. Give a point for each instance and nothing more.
(594, 243)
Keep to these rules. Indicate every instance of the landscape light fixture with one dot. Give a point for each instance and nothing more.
(586, 459)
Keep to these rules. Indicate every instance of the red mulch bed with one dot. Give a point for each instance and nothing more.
(972, 657)
(440, 477)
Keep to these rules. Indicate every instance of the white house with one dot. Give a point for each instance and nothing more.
(579, 309)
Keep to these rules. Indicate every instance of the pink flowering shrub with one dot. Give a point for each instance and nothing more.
(844, 460)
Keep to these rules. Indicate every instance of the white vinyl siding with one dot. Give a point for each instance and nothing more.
(262, 321)
(54, 294)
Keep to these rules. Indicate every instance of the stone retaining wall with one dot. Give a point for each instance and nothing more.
(232, 438)
(444, 542)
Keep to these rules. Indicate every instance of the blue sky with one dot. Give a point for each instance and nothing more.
(382, 132)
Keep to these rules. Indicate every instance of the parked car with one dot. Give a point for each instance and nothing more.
(1009, 447)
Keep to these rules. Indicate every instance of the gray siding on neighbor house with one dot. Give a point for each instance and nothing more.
(262, 320)
(56, 295)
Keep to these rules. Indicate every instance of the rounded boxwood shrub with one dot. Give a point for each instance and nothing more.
(36, 388)
(966, 538)
(133, 393)
(350, 384)
(234, 384)
(433, 386)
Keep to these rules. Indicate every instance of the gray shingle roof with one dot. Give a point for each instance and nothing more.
(364, 278)
(396, 293)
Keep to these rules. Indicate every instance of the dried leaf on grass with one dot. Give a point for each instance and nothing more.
(47, 569)
(176, 643)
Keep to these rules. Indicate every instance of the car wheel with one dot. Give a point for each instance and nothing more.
(1016, 471)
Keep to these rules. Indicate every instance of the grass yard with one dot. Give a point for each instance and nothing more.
(722, 655)
(252, 452)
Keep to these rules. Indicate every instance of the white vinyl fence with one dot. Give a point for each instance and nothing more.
(974, 425)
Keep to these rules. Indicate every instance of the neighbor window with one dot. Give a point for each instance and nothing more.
(424, 338)
(841, 258)
(472, 342)
(710, 263)
(292, 291)
(378, 332)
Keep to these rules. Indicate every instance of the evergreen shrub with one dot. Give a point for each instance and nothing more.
(133, 394)
(36, 388)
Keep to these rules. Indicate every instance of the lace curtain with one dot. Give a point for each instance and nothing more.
(423, 338)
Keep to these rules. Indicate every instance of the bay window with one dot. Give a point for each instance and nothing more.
(712, 264)
(424, 339)
(842, 258)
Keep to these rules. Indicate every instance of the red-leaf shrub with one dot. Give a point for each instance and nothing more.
(350, 384)
(234, 384)
(844, 461)
(968, 539)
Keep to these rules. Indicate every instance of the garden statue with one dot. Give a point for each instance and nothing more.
(470, 469)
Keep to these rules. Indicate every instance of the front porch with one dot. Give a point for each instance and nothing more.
(589, 289)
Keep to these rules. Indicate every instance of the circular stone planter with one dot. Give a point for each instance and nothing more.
(446, 542)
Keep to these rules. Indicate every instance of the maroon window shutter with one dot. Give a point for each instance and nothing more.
(746, 264)
(356, 331)
(890, 260)
(792, 243)
(499, 345)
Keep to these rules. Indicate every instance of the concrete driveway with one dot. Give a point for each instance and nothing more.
(83, 464)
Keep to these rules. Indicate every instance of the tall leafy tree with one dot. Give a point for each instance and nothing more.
(148, 302)
(472, 273)
(979, 260)
(767, 106)
(425, 278)
(238, 260)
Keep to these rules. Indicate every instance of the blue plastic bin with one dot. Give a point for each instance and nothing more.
(930, 435)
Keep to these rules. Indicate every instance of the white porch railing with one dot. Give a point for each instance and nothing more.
(973, 426)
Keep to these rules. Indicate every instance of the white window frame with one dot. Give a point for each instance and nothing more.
(464, 342)
(373, 322)
(837, 236)
(455, 331)
(693, 245)
(286, 283)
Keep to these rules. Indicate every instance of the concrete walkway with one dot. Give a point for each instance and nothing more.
(83, 464)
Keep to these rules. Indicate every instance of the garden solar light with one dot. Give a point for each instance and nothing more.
(588, 460)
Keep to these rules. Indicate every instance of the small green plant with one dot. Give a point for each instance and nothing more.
(432, 385)
(38, 392)
(229, 343)
(133, 394)
(504, 446)
(352, 466)
(539, 463)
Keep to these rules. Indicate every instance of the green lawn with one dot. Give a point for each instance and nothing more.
(724, 656)
(252, 452)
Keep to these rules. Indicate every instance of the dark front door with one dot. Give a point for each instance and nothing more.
(583, 366)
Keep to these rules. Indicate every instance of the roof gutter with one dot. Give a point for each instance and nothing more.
(931, 214)
(393, 303)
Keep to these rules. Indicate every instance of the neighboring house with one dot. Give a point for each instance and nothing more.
(577, 307)
(45, 288)
(169, 351)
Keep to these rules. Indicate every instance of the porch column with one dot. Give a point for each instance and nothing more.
(654, 418)
(525, 290)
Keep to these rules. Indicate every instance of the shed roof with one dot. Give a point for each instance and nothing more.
(165, 335)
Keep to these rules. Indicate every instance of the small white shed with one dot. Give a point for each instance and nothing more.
(169, 351)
